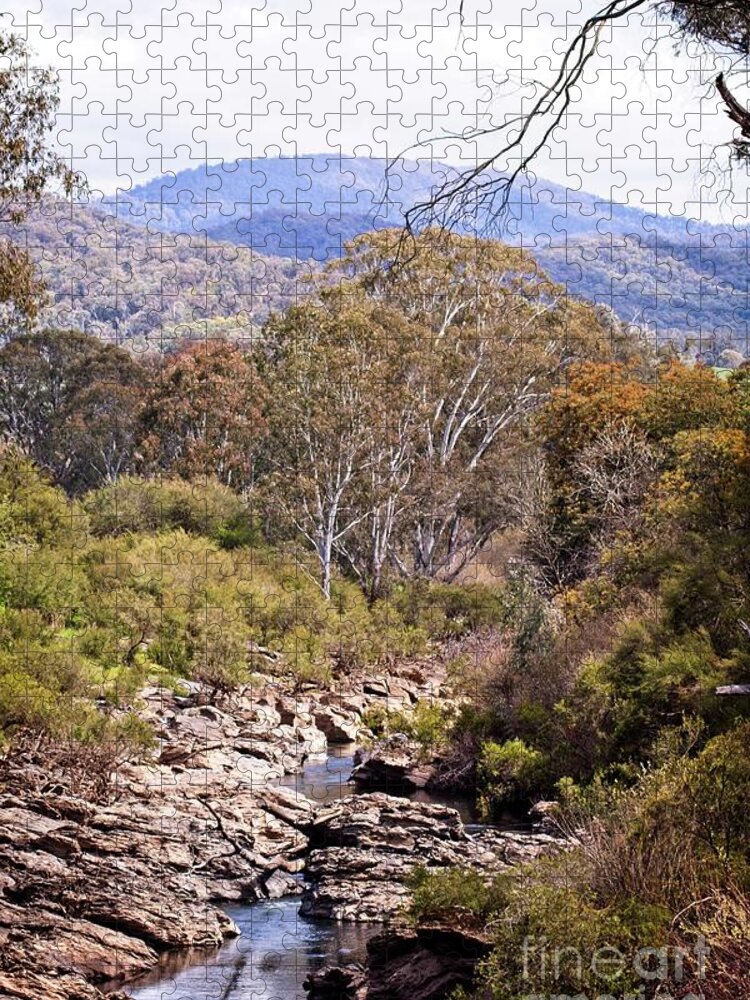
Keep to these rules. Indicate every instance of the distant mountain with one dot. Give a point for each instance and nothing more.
(686, 280)
(214, 250)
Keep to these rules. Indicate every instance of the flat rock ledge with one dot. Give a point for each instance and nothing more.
(426, 963)
(364, 848)
(91, 892)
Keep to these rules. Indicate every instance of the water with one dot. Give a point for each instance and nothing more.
(277, 948)
(325, 780)
(269, 961)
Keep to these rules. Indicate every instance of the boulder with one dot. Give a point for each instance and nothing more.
(393, 764)
(338, 726)
(544, 815)
(426, 964)
(338, 983)
(364, 849)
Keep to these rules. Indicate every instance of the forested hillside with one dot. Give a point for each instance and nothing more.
(123, 282)
(214, 252)
(681, 277)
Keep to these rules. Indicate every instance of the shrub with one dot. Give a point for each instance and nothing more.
(45, 579)
(148, 505)
(429, 723)
(218, 655)
(448, 610)
(510, 771)
(456, 892)
(32, 512)
(547, 939)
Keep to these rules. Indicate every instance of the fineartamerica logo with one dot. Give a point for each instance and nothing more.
(656, 967)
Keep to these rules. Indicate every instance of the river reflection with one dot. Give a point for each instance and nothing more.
(269, 961)
(327, 779)
(277, 948)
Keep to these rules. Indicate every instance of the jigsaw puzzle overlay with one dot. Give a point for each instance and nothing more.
(374, 492)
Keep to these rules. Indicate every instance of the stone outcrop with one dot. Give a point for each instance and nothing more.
(348, 982)
(393, 764)
(426, 964)
(364, 848)
(93, 891)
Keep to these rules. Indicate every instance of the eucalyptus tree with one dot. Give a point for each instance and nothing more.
(494, 335)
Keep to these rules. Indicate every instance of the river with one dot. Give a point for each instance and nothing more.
(277, 948)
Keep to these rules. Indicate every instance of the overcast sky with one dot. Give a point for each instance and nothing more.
(148, 88)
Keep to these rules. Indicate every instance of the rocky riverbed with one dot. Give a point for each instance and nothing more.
(94, 891)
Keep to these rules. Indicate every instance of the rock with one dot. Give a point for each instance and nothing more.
(544, 816)
(346, 983)
(377, 686)
(27, 985)
(513, 849)
(94, 891)
(403, 689)
(426, 964)
(338, 726)
(289, 806)
(364, 849)
(91, 891)
(393, 764)
(313, 741)
(280, 883)
(345, 701)
(67, 946)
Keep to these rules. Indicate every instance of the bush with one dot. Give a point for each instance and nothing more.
(44, 579)
(32, 512)
(448, 610)
(218, 654)
(148, 505)
(456, 892)
(510, 772)
(429, 723)
(547, 939)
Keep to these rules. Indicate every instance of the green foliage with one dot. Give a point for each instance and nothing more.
(661, 857)
(204, 507)
(429, 723)
(164, 580)
(32, 511)
(510, 771)
(712, 791)
(456, 893)
(549, 936)
(448, 610)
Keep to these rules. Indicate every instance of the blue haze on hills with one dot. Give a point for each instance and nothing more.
(681, 278)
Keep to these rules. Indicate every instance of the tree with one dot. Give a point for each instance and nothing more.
(341, 413)
(494, 335)
(70, 403)
(99, 430)
(203, 414)
(28, 164)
